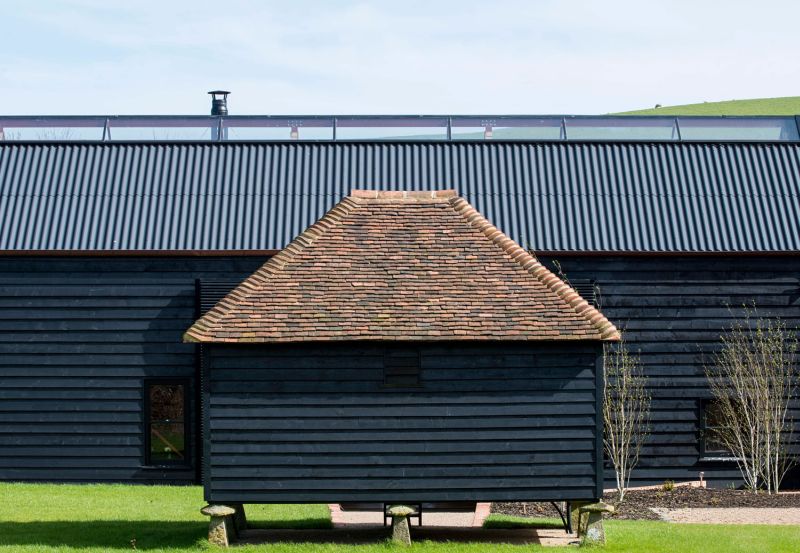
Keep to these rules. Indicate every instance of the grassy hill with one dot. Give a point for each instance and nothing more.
(789, 105)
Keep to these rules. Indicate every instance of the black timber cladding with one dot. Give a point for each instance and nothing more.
(78, 339)
(315, 423)
(551, 197)
(672, 312)
(75, 330)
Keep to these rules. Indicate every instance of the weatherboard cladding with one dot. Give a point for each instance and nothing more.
(698, 197)
(672, 311)
(78, 338)
(315, 423)
(78, 335)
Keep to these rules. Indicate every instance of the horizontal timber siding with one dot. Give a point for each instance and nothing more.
(672, 311)
(78, 336)
(314, 423)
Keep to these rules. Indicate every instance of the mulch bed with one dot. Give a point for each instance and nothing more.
(637, 503)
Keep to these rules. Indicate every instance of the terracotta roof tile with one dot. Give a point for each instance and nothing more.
(402, 266)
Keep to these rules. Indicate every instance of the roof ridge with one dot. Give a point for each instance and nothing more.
(531, 264)
(275, 263)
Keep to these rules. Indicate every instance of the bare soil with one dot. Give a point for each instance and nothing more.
(638, 503)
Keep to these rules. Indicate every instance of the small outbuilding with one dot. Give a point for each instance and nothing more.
(402, 349)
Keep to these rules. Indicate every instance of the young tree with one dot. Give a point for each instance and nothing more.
(753, 380)
(626, 411)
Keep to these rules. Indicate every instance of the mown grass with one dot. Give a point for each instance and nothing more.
(45, 518)
(661, 537)
(94, 518)
(788, 105)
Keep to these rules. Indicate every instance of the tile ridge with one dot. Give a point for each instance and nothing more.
(604, 327)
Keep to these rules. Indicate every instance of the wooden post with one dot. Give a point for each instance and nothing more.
(239, 518)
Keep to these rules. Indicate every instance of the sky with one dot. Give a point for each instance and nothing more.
(392, 57)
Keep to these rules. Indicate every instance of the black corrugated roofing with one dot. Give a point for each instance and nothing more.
(620, 197)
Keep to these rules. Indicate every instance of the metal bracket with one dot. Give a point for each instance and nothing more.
(566, 517)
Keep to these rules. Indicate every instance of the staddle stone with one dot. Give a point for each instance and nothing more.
(599, 507)
(401, 531)
(217, 510)
(595, 531)
(220, 528)
(401, 510)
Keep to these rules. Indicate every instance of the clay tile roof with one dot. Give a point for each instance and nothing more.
(402, 266)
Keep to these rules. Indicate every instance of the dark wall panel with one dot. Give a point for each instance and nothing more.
(673, 310)
(315, 423)
(78, 336)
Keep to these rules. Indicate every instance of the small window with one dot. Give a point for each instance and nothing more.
(165, 413)
(712, 421)
(401, 369)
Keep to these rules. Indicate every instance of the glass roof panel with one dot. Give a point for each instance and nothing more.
(506, 128)
(738, 128)
(620, 128)
(398, 127)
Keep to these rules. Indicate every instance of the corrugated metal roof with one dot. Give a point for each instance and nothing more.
(621, 197)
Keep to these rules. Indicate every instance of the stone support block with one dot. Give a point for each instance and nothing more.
(221, 529)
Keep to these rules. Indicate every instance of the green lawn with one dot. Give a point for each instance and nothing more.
(661, 537)
(789, 105)
(105, 518)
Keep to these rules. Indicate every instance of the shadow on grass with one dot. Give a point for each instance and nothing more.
(378, 536)
(320, 523)
(104, 534)
(118, 534)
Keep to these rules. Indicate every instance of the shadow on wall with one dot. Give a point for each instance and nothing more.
(109, 535)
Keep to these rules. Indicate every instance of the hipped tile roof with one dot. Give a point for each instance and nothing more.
(402, 266)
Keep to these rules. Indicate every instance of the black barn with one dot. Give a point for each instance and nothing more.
(110, 251)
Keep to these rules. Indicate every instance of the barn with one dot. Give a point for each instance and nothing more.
(402, 349)
(110, 248)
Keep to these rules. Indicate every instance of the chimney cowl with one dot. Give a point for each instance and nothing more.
(219, 102)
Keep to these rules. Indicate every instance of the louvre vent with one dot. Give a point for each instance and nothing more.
(588, 289)
(209, 292)
(401, 369)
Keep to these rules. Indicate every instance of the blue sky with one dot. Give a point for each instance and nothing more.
(300, 57)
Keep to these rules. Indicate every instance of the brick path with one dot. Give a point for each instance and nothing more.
(456, 519)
